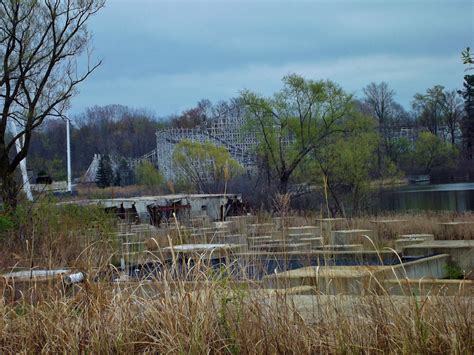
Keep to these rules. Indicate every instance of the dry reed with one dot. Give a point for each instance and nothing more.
(203, 311)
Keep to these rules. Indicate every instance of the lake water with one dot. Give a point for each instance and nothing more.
(441, 197)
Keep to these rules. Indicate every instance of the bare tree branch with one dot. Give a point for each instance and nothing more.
(40, 43)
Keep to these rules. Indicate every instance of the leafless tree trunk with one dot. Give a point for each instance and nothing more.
(379, 97)
(40, 43)
(453, 111)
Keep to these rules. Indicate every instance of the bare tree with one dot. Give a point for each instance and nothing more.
(429, 108)
(193, 117)
(453, 112)
(379, 98)
(40, 43)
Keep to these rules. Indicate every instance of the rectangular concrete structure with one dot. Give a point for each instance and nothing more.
(329, 224)
(411, 239)
(284, 247)
(427, 237)
(357, 279)
(195, 206)
(351, 236)
(461, 251)
(434, 287)
(315, 231)
(298, 236)
(314, 242)
(260, 228)
(342, 247)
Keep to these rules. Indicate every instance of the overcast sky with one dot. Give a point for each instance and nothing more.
(167, 55)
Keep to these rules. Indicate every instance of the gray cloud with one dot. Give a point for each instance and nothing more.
(166, 55)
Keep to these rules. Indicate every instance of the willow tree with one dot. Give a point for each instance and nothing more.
(40, 44)
(294, 122)
(346, 163)
(206, 166)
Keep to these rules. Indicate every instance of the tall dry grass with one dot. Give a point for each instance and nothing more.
(91, 191)
(50, 235)
(426, 222)
(211, 314)
(218, 315)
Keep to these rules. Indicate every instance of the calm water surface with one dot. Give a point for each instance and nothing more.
(442, 197)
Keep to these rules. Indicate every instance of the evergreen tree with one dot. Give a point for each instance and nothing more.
(118, 178)
(105, 174)
(467, 123)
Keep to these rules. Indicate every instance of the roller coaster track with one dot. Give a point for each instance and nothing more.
(161, 157)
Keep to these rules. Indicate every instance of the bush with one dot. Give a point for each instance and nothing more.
(57, 235)
(6, 224)
(148, 175)
(454, 272)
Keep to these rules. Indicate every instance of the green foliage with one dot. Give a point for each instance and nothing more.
(181, 184)
(105, 174)
(205, 165)
(123, 175)
(401, 150)
(454, 272)
(467, 56)
(231, 297)
(55, 167)
(60, 234)
(117, 179)
(431, 151)
(348, 159)
(148, 175)
(294, 122)
(6, 224)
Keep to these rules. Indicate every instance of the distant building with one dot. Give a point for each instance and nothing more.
(156, 210)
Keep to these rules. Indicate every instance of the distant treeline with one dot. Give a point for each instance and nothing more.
(130, 133)
(113, 129)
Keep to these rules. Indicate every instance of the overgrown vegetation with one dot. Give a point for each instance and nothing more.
(6, 224)
(50, 235)
(218, 317)
(204, 309)
(147, 175)
(204, 166)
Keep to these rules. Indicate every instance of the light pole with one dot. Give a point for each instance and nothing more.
(68, 143)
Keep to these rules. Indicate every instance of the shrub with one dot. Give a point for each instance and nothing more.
(6, 224)
(148, 175)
